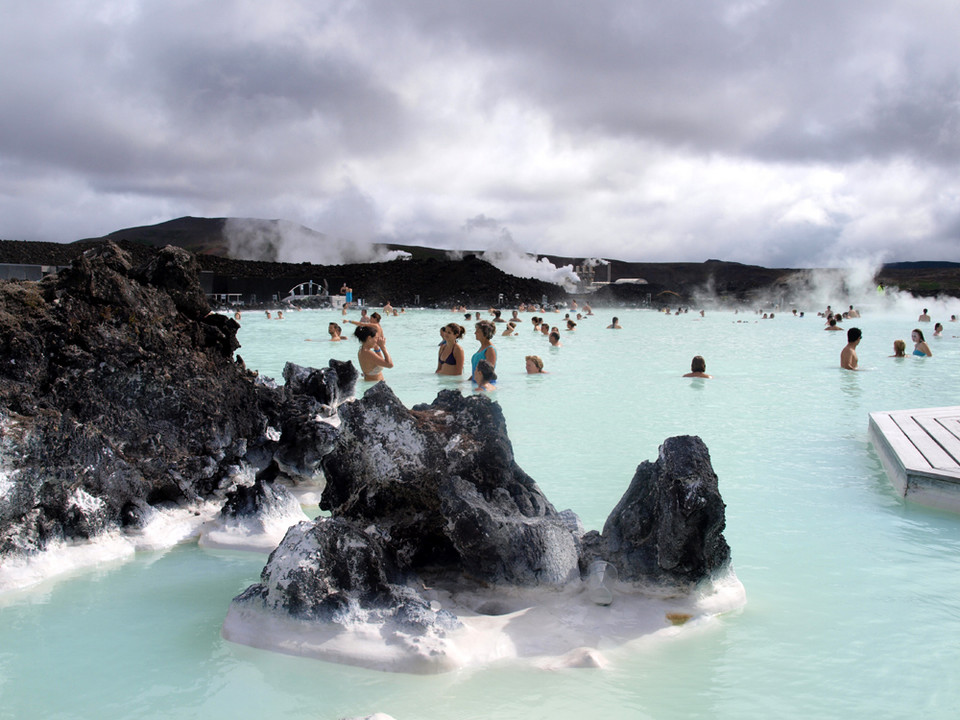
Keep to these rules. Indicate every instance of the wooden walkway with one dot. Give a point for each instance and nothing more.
(920, 452)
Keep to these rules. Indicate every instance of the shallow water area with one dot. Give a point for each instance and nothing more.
(853, 596)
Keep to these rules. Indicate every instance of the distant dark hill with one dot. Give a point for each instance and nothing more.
(922, 265)
(432, 275)
(206, 236)
(922, 278)
(201, 236)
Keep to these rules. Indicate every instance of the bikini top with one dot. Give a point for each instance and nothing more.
(450, 360)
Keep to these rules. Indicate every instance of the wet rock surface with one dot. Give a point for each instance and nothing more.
(441, 481)
(667, 529)
(432, 496)
(119, 392)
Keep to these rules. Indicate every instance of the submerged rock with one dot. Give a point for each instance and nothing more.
(253, 517)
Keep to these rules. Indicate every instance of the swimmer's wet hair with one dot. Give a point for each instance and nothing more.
(486, 371)
(487, 329)
(698, 364)
(457, 330)
(363, 332)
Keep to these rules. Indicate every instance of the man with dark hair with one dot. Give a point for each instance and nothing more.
(848, 356)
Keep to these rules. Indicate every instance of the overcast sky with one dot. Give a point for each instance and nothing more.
(785, 133)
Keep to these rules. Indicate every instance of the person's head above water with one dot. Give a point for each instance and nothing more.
(698, 364)
(454, 329)
(363, 332)
(486, 329)
(534, 364)
(485, 371)
(854, 334)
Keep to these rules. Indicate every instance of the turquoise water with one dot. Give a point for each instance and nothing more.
(853, 596)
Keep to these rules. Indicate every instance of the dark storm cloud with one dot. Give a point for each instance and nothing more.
(770, 131)
(776, 80)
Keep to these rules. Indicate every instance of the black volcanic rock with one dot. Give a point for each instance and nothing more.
(115, 391)
(440, 480)
(118, 392)
(348, 576)
(329, 386)
(667, 529)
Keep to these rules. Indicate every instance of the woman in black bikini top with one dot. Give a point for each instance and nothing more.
(450, 356)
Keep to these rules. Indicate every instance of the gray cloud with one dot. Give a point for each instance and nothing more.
(771, 131)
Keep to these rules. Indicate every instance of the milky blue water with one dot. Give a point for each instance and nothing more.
(853, 595)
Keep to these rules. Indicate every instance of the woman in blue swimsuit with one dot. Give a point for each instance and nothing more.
(920, 347)
(450, 358)
(484, 333)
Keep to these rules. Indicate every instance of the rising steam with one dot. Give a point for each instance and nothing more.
(504, 253)
(283, 241)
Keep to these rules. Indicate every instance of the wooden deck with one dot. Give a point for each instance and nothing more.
(920, 452)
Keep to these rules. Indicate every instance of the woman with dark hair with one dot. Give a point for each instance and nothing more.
(450, 357)
(484, 376)
(373, 353)
(698, 368)
(920, 347)
(485, 330)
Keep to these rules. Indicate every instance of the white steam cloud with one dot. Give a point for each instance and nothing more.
(813, 290)
(283, 241)
(504, 253)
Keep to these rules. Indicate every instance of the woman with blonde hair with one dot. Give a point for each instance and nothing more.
(534, 365)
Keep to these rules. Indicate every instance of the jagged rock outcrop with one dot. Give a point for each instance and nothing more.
(119, 391)
(328, 386)
(441, 482)
(667, 529)
(432, 497)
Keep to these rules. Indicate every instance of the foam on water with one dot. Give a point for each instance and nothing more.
(163, 529)
(260, 533)
(552, 628)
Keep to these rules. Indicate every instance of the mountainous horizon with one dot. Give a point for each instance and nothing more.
(222, 237)
(258, 247)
